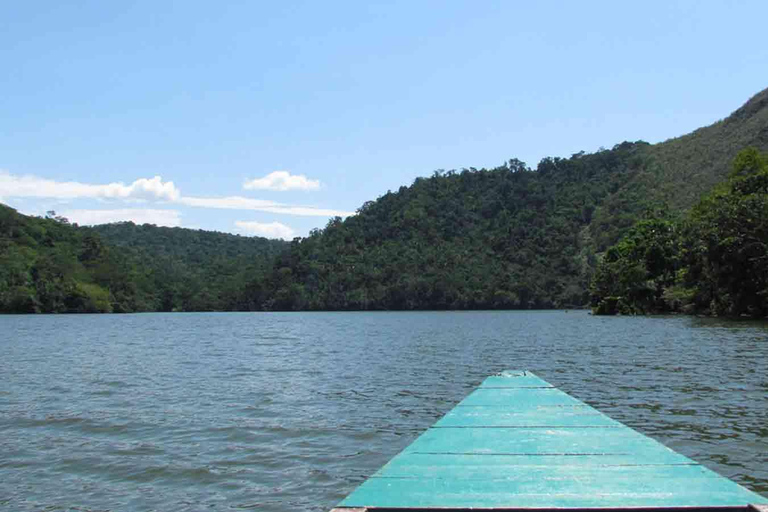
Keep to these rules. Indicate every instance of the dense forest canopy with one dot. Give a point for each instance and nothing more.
(194, 270)
(508, 237)
(48, 265)
(712, 260)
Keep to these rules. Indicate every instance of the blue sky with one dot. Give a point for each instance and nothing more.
(269, 117)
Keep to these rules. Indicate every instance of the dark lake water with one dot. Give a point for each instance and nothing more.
(290, 411)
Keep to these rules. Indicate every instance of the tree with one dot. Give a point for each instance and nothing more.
(714, 261)
(634, 273)
(725, 242)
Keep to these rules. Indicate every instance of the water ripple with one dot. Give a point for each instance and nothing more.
(282, 412)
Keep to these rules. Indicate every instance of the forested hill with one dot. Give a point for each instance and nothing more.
(48, 265)
(189, 246)
(195, 270)
(509, 237)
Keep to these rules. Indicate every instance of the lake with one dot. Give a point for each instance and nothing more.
(291, 411)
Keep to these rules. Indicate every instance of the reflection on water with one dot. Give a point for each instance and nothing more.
(291, 411)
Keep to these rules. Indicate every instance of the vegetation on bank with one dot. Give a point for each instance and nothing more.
(511, 237)
(48, 265)
(712, 260)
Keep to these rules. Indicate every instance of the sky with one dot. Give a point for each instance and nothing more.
(269, 118)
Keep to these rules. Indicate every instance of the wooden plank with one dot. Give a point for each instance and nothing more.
(519, 399)
(615, 493)
(533, 441)
(550, 473)
(473, 467)
(535, 417)
(516, 442)
(522, 381)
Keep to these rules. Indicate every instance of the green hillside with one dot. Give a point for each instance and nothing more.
(677, 172)
(48, 265)
(690, 166)
(508, 237)
(712, 260)
(194, 270)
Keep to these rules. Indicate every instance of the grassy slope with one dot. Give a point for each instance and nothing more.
(691, 165)
(679, 171)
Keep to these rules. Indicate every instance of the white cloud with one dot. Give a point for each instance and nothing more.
(266, 229)
(153, 188)
(12, 186)
(228, 203)
(307, 211)
(32, 186)
(170, 218)
(260, 205)
(282, 181)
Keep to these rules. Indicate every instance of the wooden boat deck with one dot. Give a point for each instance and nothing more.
(518, 443)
